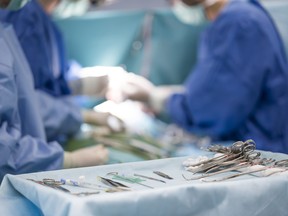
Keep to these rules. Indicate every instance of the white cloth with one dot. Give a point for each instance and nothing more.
(260, 196)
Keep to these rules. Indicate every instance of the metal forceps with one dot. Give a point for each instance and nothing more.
(236, 167)
(239, 150)
(278, 164)
(236, 147)
(52, 183)
(162, 175)
(239, 155)
(148, 177)
(55, 184)
(111, 183)
(127, 179)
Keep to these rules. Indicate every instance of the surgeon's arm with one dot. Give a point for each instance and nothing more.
(18, 153)
(27, 154)
(158, 98)
(61, 116)
(225, 85)
(22, 154)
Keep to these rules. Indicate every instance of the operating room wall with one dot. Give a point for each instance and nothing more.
(152, 43)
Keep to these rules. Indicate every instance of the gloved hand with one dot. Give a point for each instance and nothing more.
(90, 156)
(135, 87)
(129, 86)
(89, 82)
(103, 119)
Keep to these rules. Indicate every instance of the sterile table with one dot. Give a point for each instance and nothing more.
(246, 195)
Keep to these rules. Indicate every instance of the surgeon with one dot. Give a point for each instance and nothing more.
(43, 46)
(23, 146)
(238, 89)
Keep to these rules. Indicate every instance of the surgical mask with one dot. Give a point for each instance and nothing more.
(16, 4)
(193, 15)
(67, 8)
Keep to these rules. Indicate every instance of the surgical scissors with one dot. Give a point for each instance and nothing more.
(52, 183)
(278, 164)
(236, 147)
(55, 184)
(236, 167)
(237, 150)
(239, 155)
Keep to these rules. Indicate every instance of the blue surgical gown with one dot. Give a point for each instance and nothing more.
(43, 46)
(22, 137)
(238, 89)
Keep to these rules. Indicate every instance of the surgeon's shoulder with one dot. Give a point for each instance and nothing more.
(243, 15)
(26, 19)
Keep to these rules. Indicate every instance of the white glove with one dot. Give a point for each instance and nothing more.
(129, 86)
(135, 87)
(90, 156)
(103, 119)
(157, 99)
(90, 82)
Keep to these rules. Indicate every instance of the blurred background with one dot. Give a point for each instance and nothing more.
(143, 37)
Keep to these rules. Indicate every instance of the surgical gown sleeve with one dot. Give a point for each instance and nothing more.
(18, 153)
(61, 116)
(38, 35)
(225, 85)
